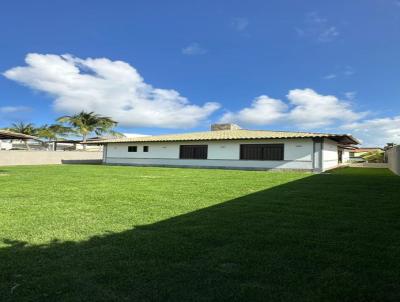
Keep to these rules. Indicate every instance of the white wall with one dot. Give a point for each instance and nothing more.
(393, 156)
(5, 145)
(329, 154)
(297, 154)
(23, 157)
(346, 156)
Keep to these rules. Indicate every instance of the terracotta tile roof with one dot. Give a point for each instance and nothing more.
(241, 134)
(5, 134)
(365, 149)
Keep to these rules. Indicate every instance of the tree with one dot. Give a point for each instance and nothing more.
(53, 132)
(23, 128)
(86, 123)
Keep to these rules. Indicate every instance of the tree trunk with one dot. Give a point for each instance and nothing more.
(27, 145)
(84, 141)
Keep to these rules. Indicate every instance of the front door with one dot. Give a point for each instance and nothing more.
(340, 156)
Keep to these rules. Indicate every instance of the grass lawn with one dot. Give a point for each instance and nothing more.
(103, 233)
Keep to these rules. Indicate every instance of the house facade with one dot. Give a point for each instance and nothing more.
(227, 146)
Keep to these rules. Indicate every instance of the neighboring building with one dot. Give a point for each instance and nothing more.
(5, 144)
(73, 145)
(7, 138)
(358, 152)
(228, 146)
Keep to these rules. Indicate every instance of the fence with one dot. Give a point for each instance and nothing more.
(14, 158)
(393, 157)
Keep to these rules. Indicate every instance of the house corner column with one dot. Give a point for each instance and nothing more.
(317, 155)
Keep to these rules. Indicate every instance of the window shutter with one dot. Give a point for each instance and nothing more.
(193, 151)
(262, 152)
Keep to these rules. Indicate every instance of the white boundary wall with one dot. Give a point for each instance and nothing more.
(393, 156)
(16, 158)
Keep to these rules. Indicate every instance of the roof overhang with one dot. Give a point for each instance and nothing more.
(344, 139)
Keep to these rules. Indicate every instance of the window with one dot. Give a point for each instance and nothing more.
(261, 151)
(145, 148)
(132, 148)
(193, 152)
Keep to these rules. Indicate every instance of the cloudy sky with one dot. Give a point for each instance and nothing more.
(174, 66)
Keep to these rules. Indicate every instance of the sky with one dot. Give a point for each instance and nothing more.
(161, 67)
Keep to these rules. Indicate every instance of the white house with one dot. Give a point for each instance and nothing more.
(228, 146)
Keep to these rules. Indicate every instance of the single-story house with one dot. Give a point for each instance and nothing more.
(229, 146)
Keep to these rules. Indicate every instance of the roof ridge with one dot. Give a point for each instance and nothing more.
(291, 131)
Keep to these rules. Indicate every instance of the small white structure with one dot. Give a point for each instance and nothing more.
(7, 137)
(5, 144)
(228, 146)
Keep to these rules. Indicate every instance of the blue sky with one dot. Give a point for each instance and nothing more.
(176, 66)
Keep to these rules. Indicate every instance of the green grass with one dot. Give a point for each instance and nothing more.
(102, 233)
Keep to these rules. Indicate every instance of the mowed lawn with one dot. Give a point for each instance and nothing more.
(103, 233)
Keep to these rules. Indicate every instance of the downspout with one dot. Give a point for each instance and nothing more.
(105, 153)
(313, 156)
(321, 158)
(317, 155)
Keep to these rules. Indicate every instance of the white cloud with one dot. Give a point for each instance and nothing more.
(350, 95)
(313, 110)
(263, 110)
(194, 49)
(317, 28)
(112, 88)
(330, 76)
(328, 34)
(14, 109)
(376, 132)
(341, 72)
(348, 71)
(240, 24)
(135, 135)
(13, 113)
(306, 109)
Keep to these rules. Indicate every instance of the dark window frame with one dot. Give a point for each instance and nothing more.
(262, 152)
(146, 148)
(193, 152)
(132, 148)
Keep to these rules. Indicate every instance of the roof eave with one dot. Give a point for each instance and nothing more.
(349, 139)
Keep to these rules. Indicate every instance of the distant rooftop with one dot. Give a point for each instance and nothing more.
(367, 149)
(5, 134)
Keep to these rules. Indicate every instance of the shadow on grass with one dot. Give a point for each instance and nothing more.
(4, 172)
(323, 238)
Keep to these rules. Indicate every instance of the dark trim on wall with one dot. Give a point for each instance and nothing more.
(239, 160)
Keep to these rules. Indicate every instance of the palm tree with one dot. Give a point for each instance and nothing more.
(54, 132)
(23, 128)
(86, 123)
